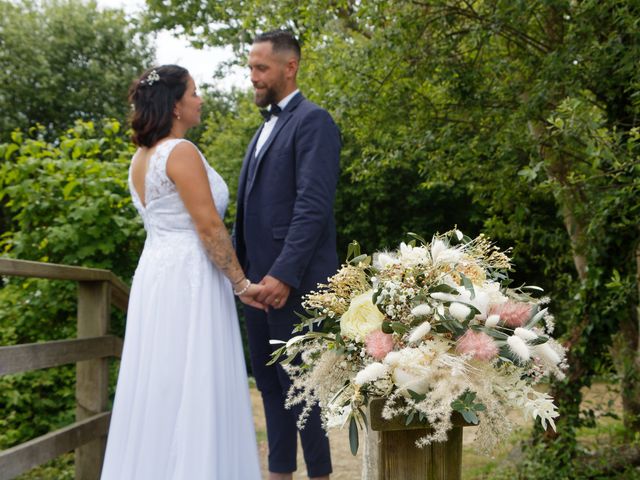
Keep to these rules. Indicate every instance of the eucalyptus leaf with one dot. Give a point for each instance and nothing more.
(443, 288)
(353, 251)
(470, 416)
(417, 397)
(538, 341)
(277, 354)
(418, 237)
(353, 436)
(536, 318)
(492, 332)
(364, 418)
(409, 418)
(466, 283)
(361, 259)
(399, 328)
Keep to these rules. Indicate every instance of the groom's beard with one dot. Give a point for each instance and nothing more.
(267, 98)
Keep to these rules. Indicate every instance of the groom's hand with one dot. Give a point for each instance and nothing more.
(275, 292)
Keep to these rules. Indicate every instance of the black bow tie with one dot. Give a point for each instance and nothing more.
(273, 110)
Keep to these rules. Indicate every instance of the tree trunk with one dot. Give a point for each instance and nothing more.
(570, 200)
(626, 355)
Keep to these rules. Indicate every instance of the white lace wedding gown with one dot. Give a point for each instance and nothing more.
(182, 408)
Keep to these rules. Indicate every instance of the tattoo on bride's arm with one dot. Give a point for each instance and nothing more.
(220, 251)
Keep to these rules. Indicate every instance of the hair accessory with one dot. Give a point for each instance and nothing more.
(152, 78)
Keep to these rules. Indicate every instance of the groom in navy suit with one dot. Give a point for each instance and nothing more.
(285, 234)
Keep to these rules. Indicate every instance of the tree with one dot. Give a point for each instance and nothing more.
(530, 108)
(63, 60)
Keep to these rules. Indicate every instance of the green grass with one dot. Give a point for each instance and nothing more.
(601, 444)
(476, 466)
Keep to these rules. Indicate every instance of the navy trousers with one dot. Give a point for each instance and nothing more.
(273, 384)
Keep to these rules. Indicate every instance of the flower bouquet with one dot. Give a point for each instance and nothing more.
(432, 328)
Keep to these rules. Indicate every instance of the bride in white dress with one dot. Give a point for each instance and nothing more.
(182, 409)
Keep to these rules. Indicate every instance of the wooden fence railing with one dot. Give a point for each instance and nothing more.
(97, 291)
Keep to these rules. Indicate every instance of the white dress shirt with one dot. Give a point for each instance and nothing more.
(268, 126)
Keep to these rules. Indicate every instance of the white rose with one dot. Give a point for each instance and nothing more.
(361, 318)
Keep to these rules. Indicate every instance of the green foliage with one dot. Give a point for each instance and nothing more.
(35, 403)
(231, 123)
(518, 118)
(64, 60)
(468, 407)
(67, 202)
(61, 468)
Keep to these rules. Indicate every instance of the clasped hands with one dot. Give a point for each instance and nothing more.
(269, 293)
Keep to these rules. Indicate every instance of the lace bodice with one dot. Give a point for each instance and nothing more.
(164, 210)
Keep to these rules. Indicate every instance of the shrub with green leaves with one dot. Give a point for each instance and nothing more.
(65, 201)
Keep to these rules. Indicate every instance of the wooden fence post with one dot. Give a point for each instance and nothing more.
(92, 376)
(391, 452)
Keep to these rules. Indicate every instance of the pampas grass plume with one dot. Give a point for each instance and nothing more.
(519, 348)
(422, 310)
(547, 353)
(459, 311)
(371, 373)
(492, 321)
(525, 334)
(419, 332)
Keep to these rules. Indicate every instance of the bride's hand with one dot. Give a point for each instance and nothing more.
(248, 297)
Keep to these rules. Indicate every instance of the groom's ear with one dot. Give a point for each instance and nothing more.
(291, 67)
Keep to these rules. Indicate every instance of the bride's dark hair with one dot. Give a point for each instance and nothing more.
(153, 97)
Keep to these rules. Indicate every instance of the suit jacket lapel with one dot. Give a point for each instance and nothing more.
(283, 118)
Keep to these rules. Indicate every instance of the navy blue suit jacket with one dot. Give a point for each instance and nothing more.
(284, 224)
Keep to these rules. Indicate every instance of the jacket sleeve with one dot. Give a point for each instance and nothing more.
(317, 168)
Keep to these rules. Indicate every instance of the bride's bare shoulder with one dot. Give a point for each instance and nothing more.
(184, 156)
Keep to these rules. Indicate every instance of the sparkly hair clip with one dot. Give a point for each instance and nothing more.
(152, 78)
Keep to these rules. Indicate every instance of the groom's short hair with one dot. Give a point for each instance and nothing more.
(281, 40)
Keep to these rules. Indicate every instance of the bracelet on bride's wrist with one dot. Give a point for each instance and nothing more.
(244, 289)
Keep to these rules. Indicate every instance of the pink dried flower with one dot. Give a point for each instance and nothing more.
(378, 344)
(512, 314)
(478, 344)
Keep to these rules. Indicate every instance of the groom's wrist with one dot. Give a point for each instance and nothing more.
(284, 276)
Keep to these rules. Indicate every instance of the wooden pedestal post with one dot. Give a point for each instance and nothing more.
(391, 452)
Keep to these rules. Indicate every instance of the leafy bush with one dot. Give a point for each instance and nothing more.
(67, 201)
